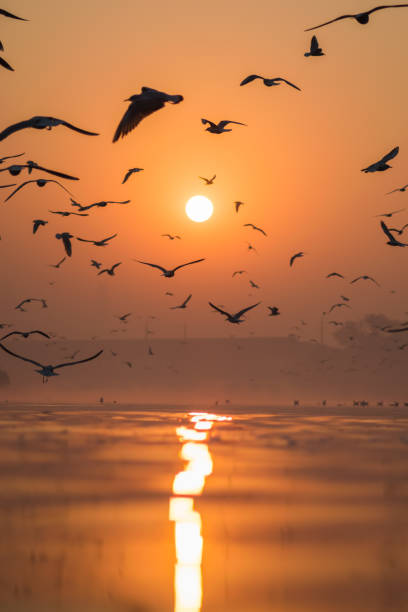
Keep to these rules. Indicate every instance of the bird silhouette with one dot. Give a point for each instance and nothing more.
(274, 311)
(254, 227)
(234, 318)
(238, 204)
(268, 82)
(332, 274)
(382, 165)
(95, 264)
(37, 223)
(124, 317)
(219, 128)
(102, 204)
(392, 241)
(208, 181)
(390, 214)
(28, 301)
(130, 172)
(403, 188)
(362, 18)
(315, 50)
(170, 237)
(110, 271)
(49, 370)
(254, 285)
(169, 273)
(142, 105)
(295, 256)
(340, 305)
(40, 183)
(238, 272)
(66, 213)
(365, 277)
(66, 241)
(100, 243)
(184, 304)
(41, 123)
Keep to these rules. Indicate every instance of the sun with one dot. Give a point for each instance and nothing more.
(199, 208)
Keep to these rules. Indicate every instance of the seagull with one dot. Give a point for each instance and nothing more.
(110, 271)
(98, 204)
(339, 306)
(95, 264)
(364, 277)
(344, 298)
(252, 248)
(128, 363)
(292, 259)
(382, 165)
(169, 293)
(315, 50)
(66, 213)
(361, 18)
(58, 264)
(150, 351)
(130, 172)
(170, 237)
(398, 231)
(392, 241)
(184, 304)
(332, 274)
(234, 318)
(274, 311)
(335, 323)
(28, 301)
(403, 188)
(268, 82)
(100, 243)
(37, 223)
(41, 123)
(389, 215)
(66, 240)
(40, 183)
(2, 159)
(142, 105)
(9, 185)
(208, 181)
(254, 285)
(238, 272)
(15, 170)
(219, 128)
(124, 317)
(11, 15)
(237, 205)
(169, 273)
(254, 227)
(5, 64)
(25, 334)
(48, 370)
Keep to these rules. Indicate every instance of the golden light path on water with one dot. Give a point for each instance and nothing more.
(188, 590)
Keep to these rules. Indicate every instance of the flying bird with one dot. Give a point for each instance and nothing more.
(219, 128)
(37, 223)
(361, 18)
(58, 264)
(315, 50)
(392, 241)
(40, 183)
(124, 317)
(170, 237)
(169, 273)
(66, 240)
(274, 311)
(15, 170)
(11, 15)
(238, 205)
(95, 264)
(344, 298)
(102, 204)
(336, 323)
(268, 82)
(254, 227)
(130, 172)
(254, 285)
(332, 274)
(28, 301)
(403, 188)
(110, 271)
(389, 214)
(208, 181)
(48, 370)
(100, 243)
(184, 304)
(339, 306)
(66, 213)
(142, 105)
(251, 248)
(238, 272)
(41, 123)
(382, 165)
(292, 259)
(234, 318)
(365, 277)
(25, 334)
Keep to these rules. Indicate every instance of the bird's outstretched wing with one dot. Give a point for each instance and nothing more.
(11, 15)
(67, 244)
(288, 83)
(77, 129)
(327, 22)
(387, 232)
(4, 348)
(225, 122)
(138, 109)
(71, 363)
(389, 155)
(16, 127)
(188, 263)
(227, 314)
(108, 238)
(314, 45)
(146, 263)
(11, 185)
(385, 6)
(250, 78)
(2, 159)
(5, 64)
(53, 172)
(127, 175)
(186, 301)
(204, 121)
(18, 189)
(84, 240)
(239, 314)
(116, 266)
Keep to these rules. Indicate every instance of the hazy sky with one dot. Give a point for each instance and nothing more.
(296, 166)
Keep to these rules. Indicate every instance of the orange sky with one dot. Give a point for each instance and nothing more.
(296, 166)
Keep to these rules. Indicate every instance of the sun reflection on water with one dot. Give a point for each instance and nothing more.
(187, 521)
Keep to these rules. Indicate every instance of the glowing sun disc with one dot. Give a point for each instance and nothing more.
(199, 208)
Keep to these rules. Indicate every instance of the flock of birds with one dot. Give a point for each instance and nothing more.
(141, 106)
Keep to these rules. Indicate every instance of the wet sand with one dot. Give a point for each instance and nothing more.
(286, 509)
